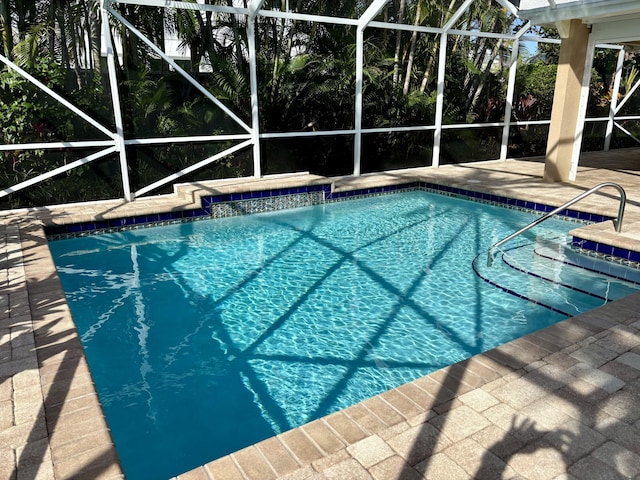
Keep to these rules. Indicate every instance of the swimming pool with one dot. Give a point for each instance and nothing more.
(206, 337)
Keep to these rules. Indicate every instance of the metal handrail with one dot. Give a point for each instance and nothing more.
(618, 221)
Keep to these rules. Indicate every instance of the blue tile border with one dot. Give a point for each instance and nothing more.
(56, 232)
(233, 204)
(607, 252)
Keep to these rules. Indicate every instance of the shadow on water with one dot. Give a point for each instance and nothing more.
(590, 427)
(243, 356)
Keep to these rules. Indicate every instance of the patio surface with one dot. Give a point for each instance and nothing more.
(563, 402)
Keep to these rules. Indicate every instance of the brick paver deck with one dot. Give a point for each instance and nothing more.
(560, 403)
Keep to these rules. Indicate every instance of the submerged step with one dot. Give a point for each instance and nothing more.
(568, 255)
(538, 273)
(553, 265)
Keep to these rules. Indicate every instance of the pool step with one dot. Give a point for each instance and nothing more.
(569, 256)
(557, 277)
(562, 265)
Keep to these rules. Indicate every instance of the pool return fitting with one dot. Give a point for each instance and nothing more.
(618, 222)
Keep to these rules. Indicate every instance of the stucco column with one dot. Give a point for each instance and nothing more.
(565, 129)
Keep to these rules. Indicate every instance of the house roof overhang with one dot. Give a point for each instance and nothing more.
(541, 12)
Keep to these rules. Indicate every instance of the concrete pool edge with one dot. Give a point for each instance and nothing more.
(102, 217)
(44, 432)
(58, 429)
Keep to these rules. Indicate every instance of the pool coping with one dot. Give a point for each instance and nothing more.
(58, 428)
(259, 201)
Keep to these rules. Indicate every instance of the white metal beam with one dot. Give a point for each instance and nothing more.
(627, 132)
(115, 101)
(193, 168)
(254, 6)
(614, 100)
(197, 138)
(579, 9)
(582, 108)
(437, 136)
(371, 12)
(406, 27)
(439, 30)
(628, 95)
(524, 29)
(179, 69)
(55, 145)
(628, 117)
(203, 7)
(241, 11)
(468, 33)
(456, 16)
(304, 17)
(513, 10)
(511, 87)
(57, 171)
(317, 133)
(57, 97)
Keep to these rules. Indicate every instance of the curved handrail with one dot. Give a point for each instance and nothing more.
(618, 221)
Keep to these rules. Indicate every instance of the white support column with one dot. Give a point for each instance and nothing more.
(254, 7)
(357, 138)
(582, 110)
(253, 83)
(508, 107)
(511, 87)
(115, 99)
(437, 135)
(442, 62)
(364, 20)
(614, 100)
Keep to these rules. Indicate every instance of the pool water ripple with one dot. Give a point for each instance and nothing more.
(207, 337)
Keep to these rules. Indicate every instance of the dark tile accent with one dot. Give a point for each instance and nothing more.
(606, 249)
(207, 203)
(620, 253)
(587, 245)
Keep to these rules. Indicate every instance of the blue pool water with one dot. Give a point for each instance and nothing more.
(206, 337)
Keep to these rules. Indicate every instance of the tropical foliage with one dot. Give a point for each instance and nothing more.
(306, 79)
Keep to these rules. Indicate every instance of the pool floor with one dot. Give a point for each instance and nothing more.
(230, 331)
